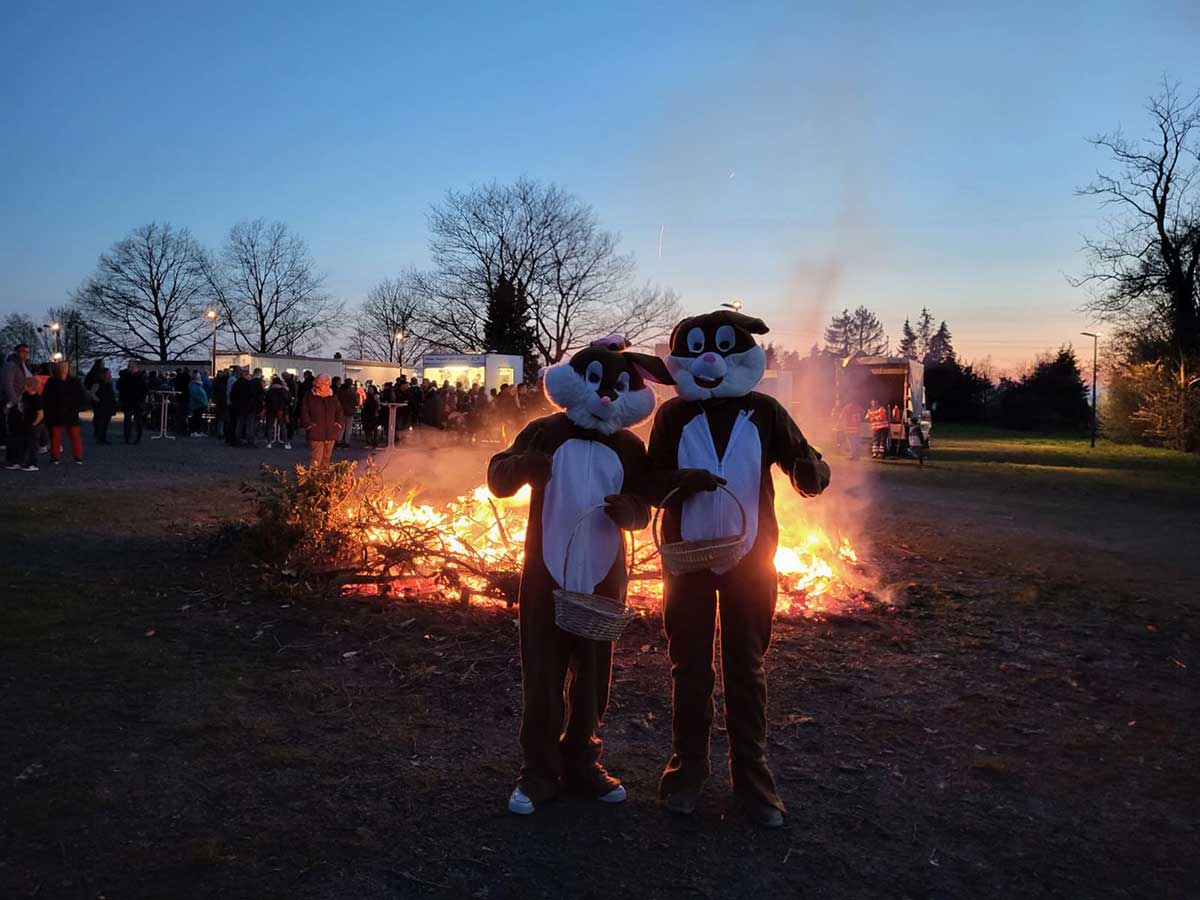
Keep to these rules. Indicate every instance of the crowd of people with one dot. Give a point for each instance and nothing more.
(245, 408)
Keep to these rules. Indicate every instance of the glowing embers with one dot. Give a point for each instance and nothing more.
(470, 550)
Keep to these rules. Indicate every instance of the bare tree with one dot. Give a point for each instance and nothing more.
(581, 276)
(272, 297)
(393, 321)
(1143, 265)
(645, 314)
(145, 296)
(18, 328)
(543, 248)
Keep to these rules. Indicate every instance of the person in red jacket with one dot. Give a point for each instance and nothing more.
(849, 420)
(321, 416)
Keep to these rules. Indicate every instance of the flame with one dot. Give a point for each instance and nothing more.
(484, 535)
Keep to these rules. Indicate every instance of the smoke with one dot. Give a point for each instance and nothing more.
(440, 473)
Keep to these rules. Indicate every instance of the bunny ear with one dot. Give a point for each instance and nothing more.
(651, 368)
(747, 323)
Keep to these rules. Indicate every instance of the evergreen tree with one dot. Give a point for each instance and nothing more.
(1052, 396)
(837, 334)
(852, 332)
(865, 333)
(924, 333)
(506, 326)
(940, 347)
(908, 342)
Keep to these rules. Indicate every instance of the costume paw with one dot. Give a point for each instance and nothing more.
(690, 482)
(520, 804)
(537, 466)
(626, 511)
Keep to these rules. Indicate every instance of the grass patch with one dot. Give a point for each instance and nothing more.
(1067, 462)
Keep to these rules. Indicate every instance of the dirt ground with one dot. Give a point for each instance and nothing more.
(1022, 723)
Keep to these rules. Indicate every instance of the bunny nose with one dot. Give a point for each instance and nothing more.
(605, 399)
(709, 357)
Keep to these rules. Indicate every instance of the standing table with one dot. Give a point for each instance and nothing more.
(165, 406)
(391, 430)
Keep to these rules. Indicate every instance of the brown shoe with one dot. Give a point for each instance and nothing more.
(682, 802)
(595, 781)
(764, 816)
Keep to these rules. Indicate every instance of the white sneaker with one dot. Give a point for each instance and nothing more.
(519, 804)
(287, 446)
(616, 795)
(15, 466)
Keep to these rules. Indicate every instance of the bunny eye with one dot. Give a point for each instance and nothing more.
(595, 372)
(622, 382)
(725, 338)
(695, 340)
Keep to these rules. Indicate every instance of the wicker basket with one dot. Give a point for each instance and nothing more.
(682, 557)
(591, 616)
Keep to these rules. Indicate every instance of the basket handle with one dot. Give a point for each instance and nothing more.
(575, 531)
(656, 524)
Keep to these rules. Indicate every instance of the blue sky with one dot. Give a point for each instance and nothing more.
(801, 157)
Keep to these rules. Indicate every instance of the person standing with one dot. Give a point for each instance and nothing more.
(370, 417)
(64, 397)
(131, 392)
(279, 402)
(259, 388)
(416, 398)
(877, 415)
(94, 375)
(244, 409)
(13, 377)
(23, 439)
(848, 423)
(182, 385)
(235, 375)
(321, 417)
(220, 398)
(197, 406)
(348, 398)
(104, 406)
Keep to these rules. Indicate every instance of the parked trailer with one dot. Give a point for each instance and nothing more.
(896, 382)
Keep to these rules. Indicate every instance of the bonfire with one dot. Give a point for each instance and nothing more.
(380, 538)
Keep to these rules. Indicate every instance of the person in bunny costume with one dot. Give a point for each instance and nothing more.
(576, 459)
(720, 431)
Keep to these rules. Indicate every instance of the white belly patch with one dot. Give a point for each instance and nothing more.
(584, 473)
(714, 514)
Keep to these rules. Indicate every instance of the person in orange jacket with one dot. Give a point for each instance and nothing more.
(878, 417)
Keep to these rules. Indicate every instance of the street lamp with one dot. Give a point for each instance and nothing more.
(211, 315)
(398, 338)
(55, 327)
(1095, 336)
